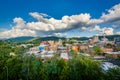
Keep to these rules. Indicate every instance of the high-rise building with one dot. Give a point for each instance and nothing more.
(95, 38)
(117, 41)
(117, 44)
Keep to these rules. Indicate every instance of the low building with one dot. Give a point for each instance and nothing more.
(95, 38)
(69, 47)
(75, 47)
(91, 42)
(64, 56)
(113, 54)
(34, 49)
(12, 54)
(83, 47)
(105, 50)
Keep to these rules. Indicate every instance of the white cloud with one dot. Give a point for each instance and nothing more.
(46, 25)
(103, 31)
(118, 33)
(20, 23)
(93, 21)
(60, 34)
(96, 28)
(3, 29)
(106, 31)
(113, 16)
(17, 33)
(83, 28)
(109, 31)
(49, 26)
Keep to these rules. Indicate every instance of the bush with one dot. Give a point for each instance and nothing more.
(84, 69)
(113, 74)
(78, 68)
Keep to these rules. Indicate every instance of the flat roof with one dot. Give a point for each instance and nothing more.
(113, 52)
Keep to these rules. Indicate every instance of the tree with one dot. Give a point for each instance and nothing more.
(113, 74)
(117, 48)
(73, 52)
(84, 69)
(97, 50)
(108, 45)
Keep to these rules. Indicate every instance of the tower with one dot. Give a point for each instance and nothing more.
(95, 38)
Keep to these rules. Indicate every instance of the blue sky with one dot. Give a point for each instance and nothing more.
(11, 9)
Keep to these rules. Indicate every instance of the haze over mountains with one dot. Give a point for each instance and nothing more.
(30, 39)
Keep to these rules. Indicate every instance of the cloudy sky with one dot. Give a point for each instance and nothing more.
(59, 18)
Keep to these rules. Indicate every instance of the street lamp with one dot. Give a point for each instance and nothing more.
(7, 71)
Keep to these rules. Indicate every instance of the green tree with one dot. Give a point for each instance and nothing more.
(84, 69)
(117, 48)
(74, 53)
(113, 74)
(108, 45)
(97, 50)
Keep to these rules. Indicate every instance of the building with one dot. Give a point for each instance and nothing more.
(60, 42)
(64, 56)
(105, 50)
(91, 42)
(104, 39)
(96, 39)
(75, 47)
(69, 47)
(117, 41)
(50, 45)
(83, 47)
(117, 44)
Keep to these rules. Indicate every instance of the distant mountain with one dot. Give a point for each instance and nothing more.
(110, 37)
(38, 39)
(20, 39)
(34, 39)
(82, 38)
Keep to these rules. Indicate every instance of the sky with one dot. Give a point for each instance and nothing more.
(63, 18)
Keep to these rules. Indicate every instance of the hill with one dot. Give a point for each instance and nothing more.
(110, 37)
(38, 39)
(20, 39)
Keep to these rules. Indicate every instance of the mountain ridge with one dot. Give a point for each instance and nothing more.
(30, 39)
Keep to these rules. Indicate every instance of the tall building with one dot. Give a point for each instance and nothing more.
(104, 38)
(67, 39)
(91, 42)
(117, 41)
(60, 42)
(95, 38)
(117, 44)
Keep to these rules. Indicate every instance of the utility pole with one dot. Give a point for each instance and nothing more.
(7, 71)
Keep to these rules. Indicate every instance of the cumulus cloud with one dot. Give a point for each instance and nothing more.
(3, 29)
(108, 31)
(39, 16)
(20, 23)
(46, 25)
(49, 26)
(113, 16)
(103, 31)
(60, 34)
(17, 33)
(65, 24)
(118, 33)
(95, 28)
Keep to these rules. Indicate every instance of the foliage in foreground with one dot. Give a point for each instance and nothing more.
(25, 67)
(31, 68)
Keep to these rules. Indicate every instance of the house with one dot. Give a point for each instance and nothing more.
(105, 50)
